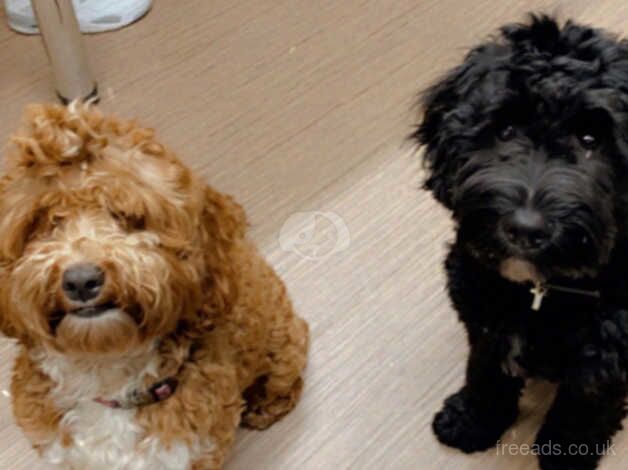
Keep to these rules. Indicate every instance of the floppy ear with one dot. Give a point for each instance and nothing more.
(450, 114)
(18, 218)
(10, 249)
(611, 94)
(11, 328)
(6, 325)
(223, 226)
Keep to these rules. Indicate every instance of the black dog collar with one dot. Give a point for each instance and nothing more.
(541, 289)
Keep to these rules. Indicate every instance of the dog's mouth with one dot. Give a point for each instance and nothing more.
(520, 271)
(93, 311)
(525, 267)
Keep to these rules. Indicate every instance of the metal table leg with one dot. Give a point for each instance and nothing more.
(64, 44)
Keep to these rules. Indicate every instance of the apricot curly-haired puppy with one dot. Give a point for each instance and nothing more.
(149, 326)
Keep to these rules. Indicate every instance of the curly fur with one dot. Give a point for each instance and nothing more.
(536, 119)
(189, 295)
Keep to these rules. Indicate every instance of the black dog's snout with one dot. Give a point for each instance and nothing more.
(527, 229)
(83, 282)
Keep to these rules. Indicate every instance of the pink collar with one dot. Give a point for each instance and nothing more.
(159, 391)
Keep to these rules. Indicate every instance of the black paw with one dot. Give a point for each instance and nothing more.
(556, 453)
(458, 425)
(566, 462)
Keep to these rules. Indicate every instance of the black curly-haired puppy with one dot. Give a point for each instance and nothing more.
(527, 145)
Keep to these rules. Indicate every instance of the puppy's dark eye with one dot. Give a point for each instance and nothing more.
(506, 133)
(55, 220)
(129, 222)
(588, 141)
(136, 223)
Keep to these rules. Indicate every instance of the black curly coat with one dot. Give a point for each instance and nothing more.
(526, 143)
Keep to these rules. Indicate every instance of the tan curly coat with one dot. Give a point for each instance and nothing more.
(191, 298)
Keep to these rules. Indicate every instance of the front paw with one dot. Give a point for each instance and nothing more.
(566, 462)
(556, 453)
(458, 425)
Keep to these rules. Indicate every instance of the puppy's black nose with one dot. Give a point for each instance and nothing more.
(82, 282)
(527, 228)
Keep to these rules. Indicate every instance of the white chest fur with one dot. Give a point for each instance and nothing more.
(109, 439)
(103, 437)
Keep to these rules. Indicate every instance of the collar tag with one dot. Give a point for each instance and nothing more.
(539, 292)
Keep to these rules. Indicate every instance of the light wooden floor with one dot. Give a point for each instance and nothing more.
(298, 106)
